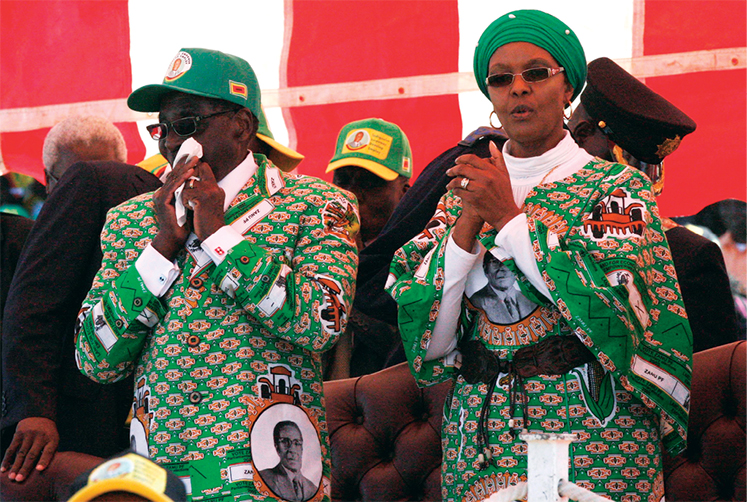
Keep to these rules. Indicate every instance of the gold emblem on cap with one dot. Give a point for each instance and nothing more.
(602, 124)
(668, 146)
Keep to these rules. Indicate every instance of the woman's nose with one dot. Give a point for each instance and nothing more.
(519, 85)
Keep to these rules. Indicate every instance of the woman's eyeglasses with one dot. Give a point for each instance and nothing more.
(183, 127)
(530, 76)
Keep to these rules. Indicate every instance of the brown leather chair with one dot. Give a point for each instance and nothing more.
(713, 466)
(385, 434)
(53, 483)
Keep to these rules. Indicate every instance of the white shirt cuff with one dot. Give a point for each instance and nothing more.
(221, 242)
(517, 227)
(157, 272)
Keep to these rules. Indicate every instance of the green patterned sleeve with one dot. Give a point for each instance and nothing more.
(613, 280)
(306, 299)
(416, 279)
(119, 311)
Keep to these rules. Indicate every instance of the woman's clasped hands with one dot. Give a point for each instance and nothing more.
(484, 186)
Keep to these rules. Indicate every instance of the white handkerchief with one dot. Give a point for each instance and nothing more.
(190, 148)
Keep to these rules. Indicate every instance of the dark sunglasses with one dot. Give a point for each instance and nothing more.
(530, 76)
(183, 127)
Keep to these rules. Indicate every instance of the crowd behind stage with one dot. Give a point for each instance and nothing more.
(222, 286)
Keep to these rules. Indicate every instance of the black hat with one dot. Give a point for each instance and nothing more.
(643, 123)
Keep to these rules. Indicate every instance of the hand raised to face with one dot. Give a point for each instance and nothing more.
(171, 236)
(206, 199)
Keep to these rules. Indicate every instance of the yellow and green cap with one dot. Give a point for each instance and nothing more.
(376, 145)
(129, 473)
(285, 158)
(203, 72)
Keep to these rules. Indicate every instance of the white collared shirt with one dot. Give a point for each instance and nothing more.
(159, 273)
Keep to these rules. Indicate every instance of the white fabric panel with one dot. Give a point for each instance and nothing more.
(604, 29)
(251, 29)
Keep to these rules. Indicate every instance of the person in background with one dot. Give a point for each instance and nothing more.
(373, 160)
(221, 290)
(584, 242)
(723, 222)
(78, 139)
(620, 119)
(14, 230)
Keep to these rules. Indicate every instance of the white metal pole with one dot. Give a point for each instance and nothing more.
(547, 465)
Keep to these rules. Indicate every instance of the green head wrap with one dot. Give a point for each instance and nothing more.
(538, 28)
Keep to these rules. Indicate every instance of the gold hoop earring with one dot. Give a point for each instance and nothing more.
(490, 120)
(570, 114)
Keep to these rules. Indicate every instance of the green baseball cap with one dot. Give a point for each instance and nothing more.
(376, 145)
(202, 72)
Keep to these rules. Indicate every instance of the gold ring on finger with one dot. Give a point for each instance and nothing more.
(465, 183)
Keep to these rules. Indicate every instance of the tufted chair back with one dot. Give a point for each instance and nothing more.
(713, 466)
(385, 436)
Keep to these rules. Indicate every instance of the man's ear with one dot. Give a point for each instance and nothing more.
(249, 124)
(583, 131)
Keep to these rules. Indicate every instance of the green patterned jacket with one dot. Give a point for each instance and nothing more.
(600, 249)
(230, 350)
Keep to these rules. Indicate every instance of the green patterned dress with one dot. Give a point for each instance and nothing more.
(230, 351)
(600, 249)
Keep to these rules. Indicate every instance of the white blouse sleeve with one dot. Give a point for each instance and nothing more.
(457, 265)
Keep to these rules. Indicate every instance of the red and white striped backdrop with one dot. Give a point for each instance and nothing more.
(323, 63)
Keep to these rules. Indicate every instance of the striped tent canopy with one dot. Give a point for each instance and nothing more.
(324, 63)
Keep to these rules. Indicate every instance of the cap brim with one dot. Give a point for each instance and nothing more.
(148, 98)
(97, 488)
(282, 156)
(379, 170)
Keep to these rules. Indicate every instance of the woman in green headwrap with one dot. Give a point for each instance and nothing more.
(604, 349)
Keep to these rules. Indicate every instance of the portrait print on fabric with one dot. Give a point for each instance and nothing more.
(286, 452)
(501, 299)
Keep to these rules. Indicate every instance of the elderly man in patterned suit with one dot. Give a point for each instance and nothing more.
(220, 290)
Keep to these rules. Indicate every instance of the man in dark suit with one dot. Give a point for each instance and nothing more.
(285, 479)
(14, 229)
(622, 120)
(45, 398)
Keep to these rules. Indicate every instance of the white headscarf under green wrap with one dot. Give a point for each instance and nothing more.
(538, 28)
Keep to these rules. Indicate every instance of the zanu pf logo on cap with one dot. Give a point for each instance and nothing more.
(178, 66)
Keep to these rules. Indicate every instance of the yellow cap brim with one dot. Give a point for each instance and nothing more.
(154, 164)
(282, 156)
(377, 169)
(93, 490)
